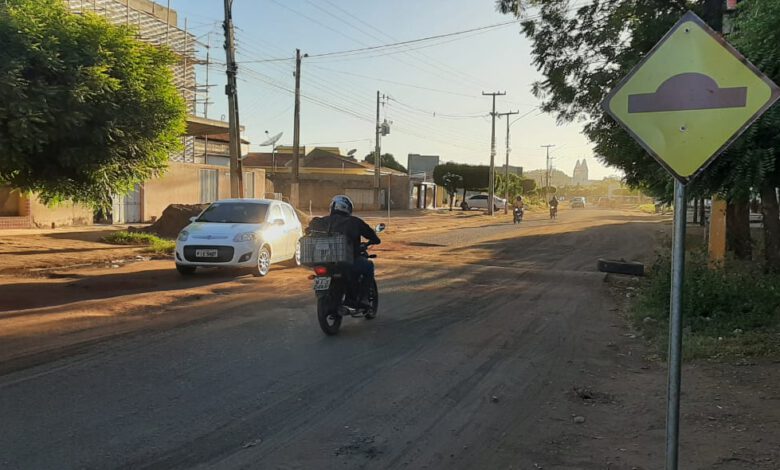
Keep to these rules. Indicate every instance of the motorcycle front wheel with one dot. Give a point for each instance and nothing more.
(327, 314)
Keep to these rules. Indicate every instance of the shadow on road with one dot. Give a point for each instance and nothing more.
(97, 286)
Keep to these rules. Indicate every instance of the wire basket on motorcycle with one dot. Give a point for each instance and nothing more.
(319, 248)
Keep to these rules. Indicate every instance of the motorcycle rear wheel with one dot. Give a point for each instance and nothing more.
(327, 315)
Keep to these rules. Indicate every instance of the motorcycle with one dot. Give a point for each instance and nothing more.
(518, 215)
(333, 286)
(553, 212)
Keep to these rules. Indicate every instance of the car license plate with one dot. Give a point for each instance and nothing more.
(321, 283)
(207, 253)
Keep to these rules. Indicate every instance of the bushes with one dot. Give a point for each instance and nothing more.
(731, 311)
(154, 243)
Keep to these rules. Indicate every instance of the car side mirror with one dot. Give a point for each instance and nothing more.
(278, 222)
(380, 228)
(193, 219)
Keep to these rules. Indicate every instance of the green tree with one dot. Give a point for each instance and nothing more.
(387, 161)
(451, 184)
(584, 52)
(757, 153)
(475, 177)
(86, 110)
(514, 186)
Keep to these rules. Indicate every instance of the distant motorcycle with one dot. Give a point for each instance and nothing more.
(333, 285)
(518, 215)
(553, 212)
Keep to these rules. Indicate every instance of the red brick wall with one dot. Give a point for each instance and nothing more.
(21, 221)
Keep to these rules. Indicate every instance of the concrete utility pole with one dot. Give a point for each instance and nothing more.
(506, 167)
(378, 153)
(492, 177)
(547, 171)
(236, 175)
(377, 174)
(295, 182)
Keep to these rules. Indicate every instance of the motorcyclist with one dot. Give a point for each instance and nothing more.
(519, 206)
(553, 206)
(354, 228)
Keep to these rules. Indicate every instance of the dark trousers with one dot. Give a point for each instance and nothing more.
(365, 268)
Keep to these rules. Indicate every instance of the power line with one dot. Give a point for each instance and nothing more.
(381, 46)
(413, 41)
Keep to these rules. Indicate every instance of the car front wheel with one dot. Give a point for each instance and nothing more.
(263, 264)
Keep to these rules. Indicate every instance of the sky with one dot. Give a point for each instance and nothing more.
(434, 88)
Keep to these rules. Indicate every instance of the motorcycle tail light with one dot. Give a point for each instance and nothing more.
(320, 270)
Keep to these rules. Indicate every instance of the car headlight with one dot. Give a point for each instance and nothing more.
(183, 236)
(245, 237)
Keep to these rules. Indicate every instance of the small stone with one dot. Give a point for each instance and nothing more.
(738, 331)
(114, 266)
(649, 320)
(579, 419)
(494, 399)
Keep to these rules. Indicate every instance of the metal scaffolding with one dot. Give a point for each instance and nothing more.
(160, 30)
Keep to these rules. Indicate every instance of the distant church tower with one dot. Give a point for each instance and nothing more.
(580, 175)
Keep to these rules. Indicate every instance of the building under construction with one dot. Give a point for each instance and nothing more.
(197, 174)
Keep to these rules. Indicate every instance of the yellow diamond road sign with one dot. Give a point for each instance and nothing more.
(690, 97)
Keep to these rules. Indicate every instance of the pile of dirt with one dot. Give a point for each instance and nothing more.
(177, 216)
(174, 218)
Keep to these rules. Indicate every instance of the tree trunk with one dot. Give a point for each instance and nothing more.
(696, 210)
(738, 229)
(771, 212)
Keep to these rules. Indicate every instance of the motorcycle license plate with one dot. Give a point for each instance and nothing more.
(321, 283)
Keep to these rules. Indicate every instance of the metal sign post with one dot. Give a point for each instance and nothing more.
(675, 327)
(685, 102)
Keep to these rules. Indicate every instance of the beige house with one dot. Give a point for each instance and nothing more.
(324, 173)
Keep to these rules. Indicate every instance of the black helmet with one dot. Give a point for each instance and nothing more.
(341, 204)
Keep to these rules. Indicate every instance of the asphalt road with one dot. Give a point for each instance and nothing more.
(464, 368)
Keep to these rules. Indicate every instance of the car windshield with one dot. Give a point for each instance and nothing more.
(235, 213)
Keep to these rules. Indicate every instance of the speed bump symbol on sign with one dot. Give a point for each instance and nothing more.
(690, 97)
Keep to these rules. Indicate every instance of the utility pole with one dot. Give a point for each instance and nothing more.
(380, 131)
(547, 171)
(295, 182)
(506, 167)
(377, 147)
(492, 176)
(236, 175)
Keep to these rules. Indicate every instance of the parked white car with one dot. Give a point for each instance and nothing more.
(253, 233)
(480, 201)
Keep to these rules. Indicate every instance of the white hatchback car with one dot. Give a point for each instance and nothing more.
(251, 233)
(480, 201)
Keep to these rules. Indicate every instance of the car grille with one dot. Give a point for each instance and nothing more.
(225, 253)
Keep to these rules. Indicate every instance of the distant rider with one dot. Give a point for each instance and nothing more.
(354, 228)
(519, 207)
(553, 206)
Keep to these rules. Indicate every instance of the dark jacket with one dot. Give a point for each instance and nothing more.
(352, 227)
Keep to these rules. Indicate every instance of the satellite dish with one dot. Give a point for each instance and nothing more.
(351, 152)
(272, 140)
